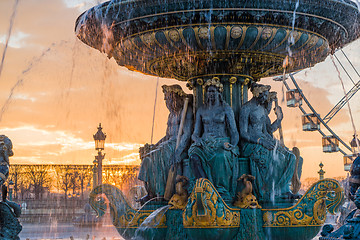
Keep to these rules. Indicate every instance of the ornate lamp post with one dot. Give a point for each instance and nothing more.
(95, 174)
(99, 138)
(11, 188)
(321, 172)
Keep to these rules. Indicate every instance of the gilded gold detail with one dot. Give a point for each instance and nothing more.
(270, 38)
(127, 44)
(231, 94)
(243, 35)
(212, 37)
(266, 33)
(203, 33)
(236, 32)
(261, 63)
(148, 38)
(171, 42)
(179, 199)
(248, 201)
(174, 35)
(228, 29)
(259, 30)
(233, 80)
(245, 198)
(196, 31)
(314, 39)
(310, 210)
(190, 85)
(134, 220)
(284, 40)
(215, 81)
(246, 81)
(200, 81)
(123, 215)
(216, 215)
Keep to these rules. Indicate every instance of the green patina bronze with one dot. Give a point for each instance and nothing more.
(221, 49)
(217, 220)
(10, 226)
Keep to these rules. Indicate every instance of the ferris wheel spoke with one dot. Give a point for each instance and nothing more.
(312, 109)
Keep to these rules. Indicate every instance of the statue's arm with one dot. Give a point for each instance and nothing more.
(198, 126)
(234, 134)
(244, 124)
(279, 117)
(269, 127)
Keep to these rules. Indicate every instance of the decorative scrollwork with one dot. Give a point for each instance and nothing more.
(310, 210)
(206, 209)
(123, 215)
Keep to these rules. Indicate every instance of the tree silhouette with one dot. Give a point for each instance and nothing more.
(38, 177)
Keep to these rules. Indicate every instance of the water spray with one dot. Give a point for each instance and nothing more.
(12, 18)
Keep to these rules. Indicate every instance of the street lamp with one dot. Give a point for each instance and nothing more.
(99, 138)
(11, 188)
(95, 174)
(321, 172)
(355, 144)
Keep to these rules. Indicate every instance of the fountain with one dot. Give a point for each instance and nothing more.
(234, 177)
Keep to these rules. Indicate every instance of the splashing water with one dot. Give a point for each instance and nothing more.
(152, 199)
(153, 220)
(20, 80)
(12, 18)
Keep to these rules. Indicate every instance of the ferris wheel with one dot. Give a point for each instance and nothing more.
(311, 119)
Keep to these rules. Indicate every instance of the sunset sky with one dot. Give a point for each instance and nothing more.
(62, 90)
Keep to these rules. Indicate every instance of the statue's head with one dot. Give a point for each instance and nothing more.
(213, 90)
(260, 92)
(174, 97)
(6, 146)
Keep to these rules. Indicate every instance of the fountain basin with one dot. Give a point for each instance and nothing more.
(219, 220)
(185, 39)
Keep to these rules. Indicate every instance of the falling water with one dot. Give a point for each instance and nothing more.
(20, 80)
(276, 159)
(153, 121)
(12, 18)
(74, 51)
(152, 199)
(290, 42)
(150, 222)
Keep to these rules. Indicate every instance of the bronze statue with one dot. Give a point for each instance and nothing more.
(10, 226)
(180, 198)
(5, 153)
(245, 198)
(213, 155)
(158, 158)
(272, 164)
